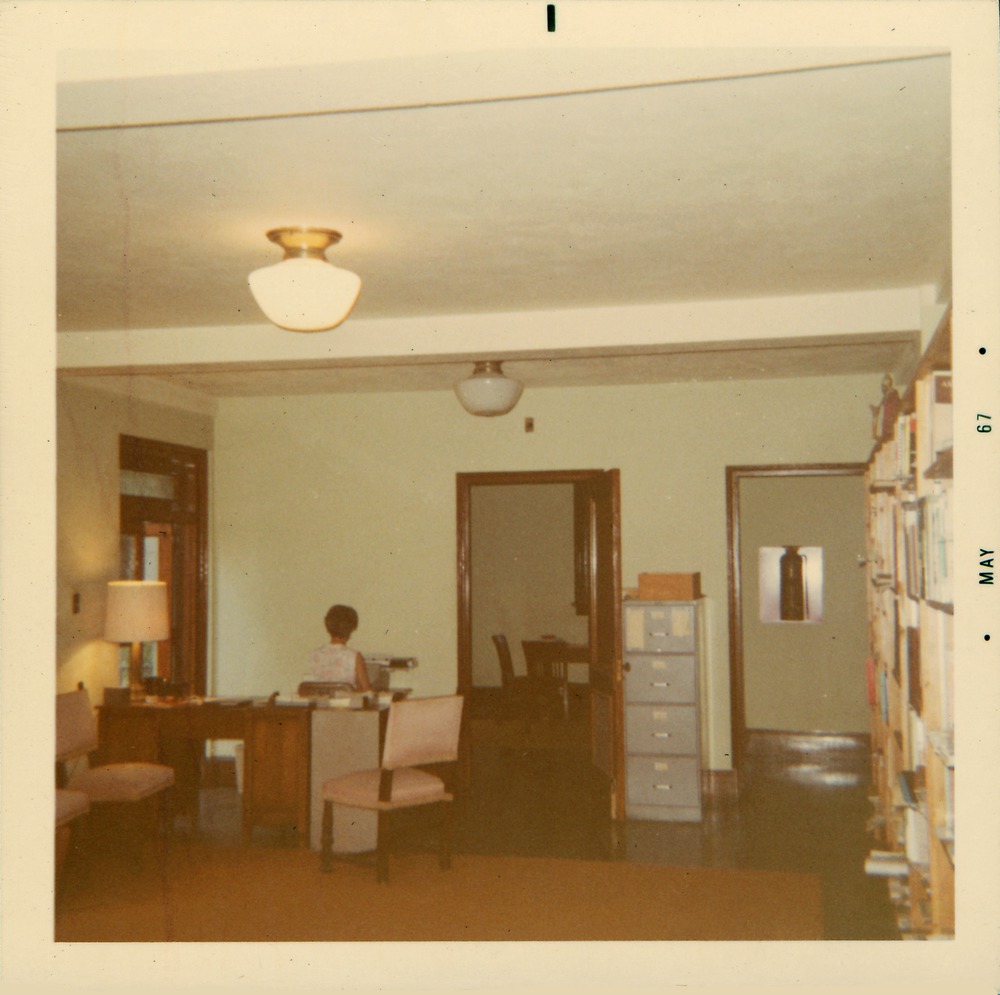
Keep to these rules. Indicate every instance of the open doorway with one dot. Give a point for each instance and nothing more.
(798, 620)
(539, 565)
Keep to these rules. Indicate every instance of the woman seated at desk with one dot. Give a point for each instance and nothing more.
(336, 662)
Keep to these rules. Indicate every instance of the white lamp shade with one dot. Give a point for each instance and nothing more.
(305, 294)
(137, 611)
(488, 392)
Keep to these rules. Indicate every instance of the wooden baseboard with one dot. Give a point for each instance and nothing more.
(719, 786)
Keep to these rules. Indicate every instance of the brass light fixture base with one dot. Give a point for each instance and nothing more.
(304, 243)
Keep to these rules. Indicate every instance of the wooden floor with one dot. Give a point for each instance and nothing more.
(540, 799)
(537, 797)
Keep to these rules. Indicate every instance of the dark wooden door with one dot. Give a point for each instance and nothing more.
(606, 727)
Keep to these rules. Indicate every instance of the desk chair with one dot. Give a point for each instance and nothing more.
(419, 732)
(122, 784)
(526, 696)
(324, 689)
(546, 664)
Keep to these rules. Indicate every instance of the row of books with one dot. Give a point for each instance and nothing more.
(928, 544)
(938, 545)
(920, 435)
(882, 537)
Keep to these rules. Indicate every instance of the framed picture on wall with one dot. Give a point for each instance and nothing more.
(791, 583)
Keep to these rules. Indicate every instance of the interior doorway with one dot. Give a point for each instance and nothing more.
(797, 612)
(539, 561)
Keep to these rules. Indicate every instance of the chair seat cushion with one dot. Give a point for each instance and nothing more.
(409, 787)
(70, 805)
(126, 782)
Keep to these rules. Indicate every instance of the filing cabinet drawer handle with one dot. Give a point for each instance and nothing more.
(659, 633)
(661, 735)
(659, 684)
(663, 787)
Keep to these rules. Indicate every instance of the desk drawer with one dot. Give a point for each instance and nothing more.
(666, 729)
(660, 628)
(660, 679)
(663, 781)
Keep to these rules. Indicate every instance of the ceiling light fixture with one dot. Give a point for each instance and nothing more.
(488, 392)
(304, 292)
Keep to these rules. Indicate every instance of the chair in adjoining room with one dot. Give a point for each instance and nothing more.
(546, 665)
(524, 696)
(126, 785)
(420, 732)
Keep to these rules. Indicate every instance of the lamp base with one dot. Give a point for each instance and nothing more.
(136, 686)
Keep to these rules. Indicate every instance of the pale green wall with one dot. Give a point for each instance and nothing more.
(522, 571)
(802, 676)
(89, 422)
(352, 498)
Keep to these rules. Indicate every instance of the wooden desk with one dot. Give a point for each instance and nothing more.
(276, 741)
(549, 657)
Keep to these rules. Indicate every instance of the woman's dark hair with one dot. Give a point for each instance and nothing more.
(341, 621)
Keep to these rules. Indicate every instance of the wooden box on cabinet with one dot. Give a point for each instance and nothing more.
(662, 726)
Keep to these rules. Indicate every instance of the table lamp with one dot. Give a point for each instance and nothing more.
(136, 614)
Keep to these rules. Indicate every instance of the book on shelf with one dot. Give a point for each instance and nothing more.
(885, 863)
(917, 837)
(913, 547)
(940, 412)
(936, 546)
(915, 687)
(905, 446)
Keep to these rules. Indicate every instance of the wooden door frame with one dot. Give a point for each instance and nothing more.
(189, 510)
(464, 482)
(734, 475)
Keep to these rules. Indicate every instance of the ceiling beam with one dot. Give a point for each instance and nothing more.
(611, 330)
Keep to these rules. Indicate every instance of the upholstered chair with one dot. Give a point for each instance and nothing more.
(122, 784)
(420, 732)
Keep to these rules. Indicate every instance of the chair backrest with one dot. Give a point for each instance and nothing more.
(506, 661)
(422, 731)
(540, 654)
(76, 725)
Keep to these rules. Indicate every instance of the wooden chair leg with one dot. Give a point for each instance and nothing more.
(447, 835)
(382, 848)
(164, 827)
(326, 839)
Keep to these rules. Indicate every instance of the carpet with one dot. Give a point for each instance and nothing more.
(278, 894)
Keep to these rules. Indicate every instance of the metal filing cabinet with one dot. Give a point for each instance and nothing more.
(662, 729)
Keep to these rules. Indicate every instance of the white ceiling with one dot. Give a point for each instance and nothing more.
(497, 182)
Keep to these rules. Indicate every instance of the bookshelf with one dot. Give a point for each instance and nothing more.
(911, 666)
